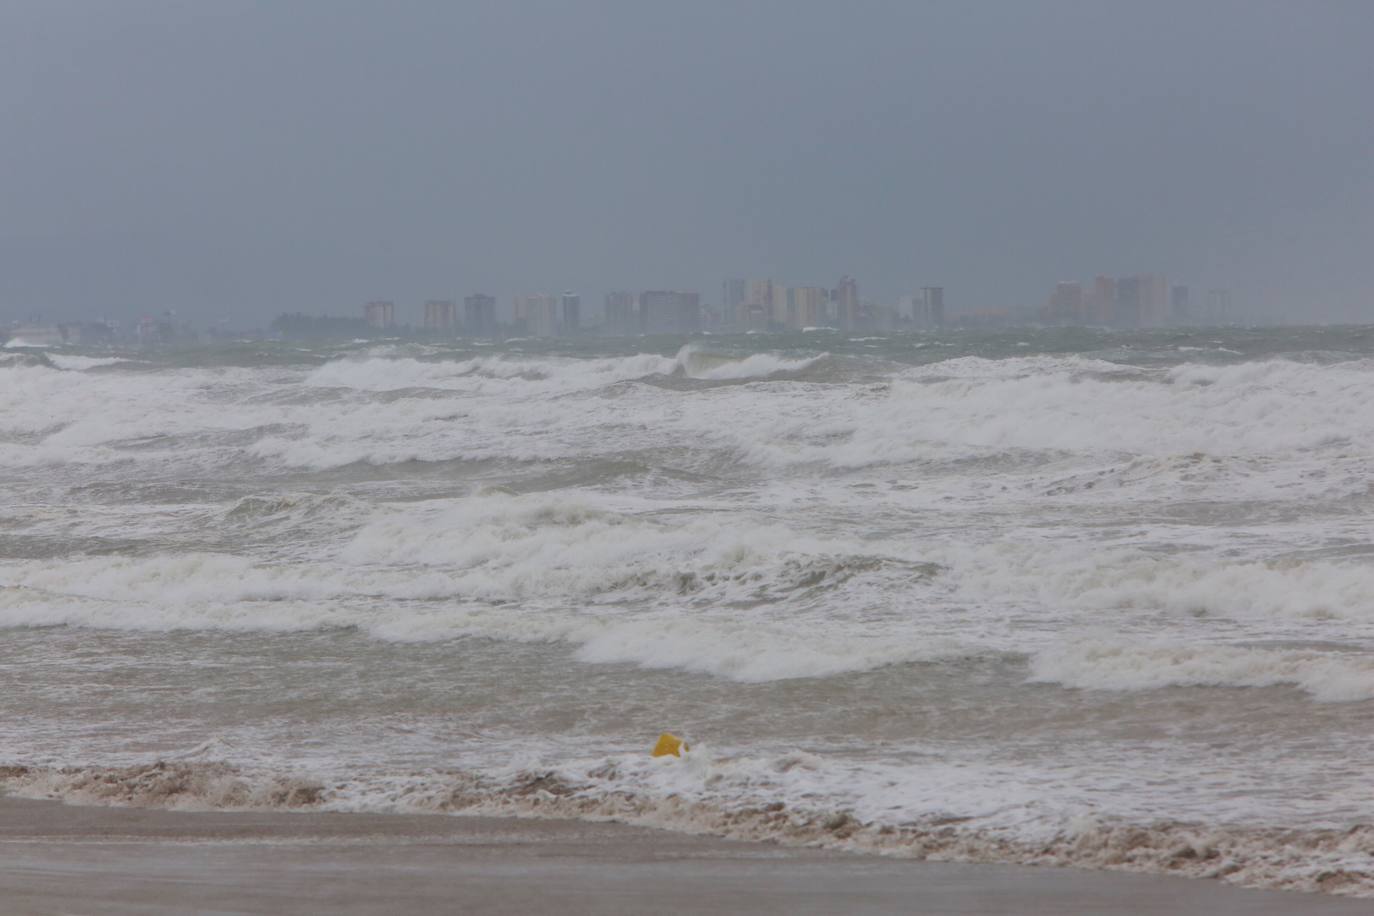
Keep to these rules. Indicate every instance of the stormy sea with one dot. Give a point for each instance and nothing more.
(1072, 597)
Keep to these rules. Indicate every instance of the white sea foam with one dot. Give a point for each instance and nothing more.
(1106, 578)
(790, 797)
(1081, 405)
(748, 652)
(552, 408)
(576, 564)
(515, 547)
(485, 374)
(754, 366)
(78, 363)
(571, 564)
(1101, 665)
(1029, 555)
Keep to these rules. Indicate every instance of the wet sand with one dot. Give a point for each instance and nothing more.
(57, 858)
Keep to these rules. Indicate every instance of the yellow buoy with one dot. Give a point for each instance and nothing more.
(670, 744)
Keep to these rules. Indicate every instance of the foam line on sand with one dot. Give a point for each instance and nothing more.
(57, 858)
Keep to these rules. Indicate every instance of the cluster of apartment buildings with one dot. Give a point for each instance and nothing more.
(441, 316)
(746, 305)
(764, 305)
(165, 328)
(1137, 301)
(543, 315)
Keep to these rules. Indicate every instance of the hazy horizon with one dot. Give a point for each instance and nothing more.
(1032, 573)
(233, 161)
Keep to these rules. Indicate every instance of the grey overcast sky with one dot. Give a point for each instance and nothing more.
(237, 159)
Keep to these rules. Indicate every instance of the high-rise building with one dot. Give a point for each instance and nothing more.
(755, 312)
(670, 312)
(759, 292)
(441, 315)
(779, 304)
(1127, 305)
(1102, 302)
(846, 300)
(537, 314)
(622, 314)
(806, 306)
(572, 312)
(733, 294)
(753, 316)
(929, 309)
(380, 314)
(1154, 300)
(479, 316)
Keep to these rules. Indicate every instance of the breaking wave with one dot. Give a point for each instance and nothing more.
(749, 599)
(1288, 589)
(1327, 676)
(506, 372)
(1165, 566)
(225, 594)
(1215, 428)
(76, 363)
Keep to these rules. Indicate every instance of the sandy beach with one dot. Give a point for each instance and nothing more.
(88, 860)
(724, 456)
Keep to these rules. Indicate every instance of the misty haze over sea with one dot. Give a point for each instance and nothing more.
(952, 419)
(235, 161)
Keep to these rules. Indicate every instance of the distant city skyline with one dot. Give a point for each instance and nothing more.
(749, 302)
(747, 305)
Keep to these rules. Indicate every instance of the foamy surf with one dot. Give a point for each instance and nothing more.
(526, 373)
(1090, 600)
(672, 794)
(1326, 676)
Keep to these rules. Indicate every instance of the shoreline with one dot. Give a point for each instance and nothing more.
(1321, 860)
(61, 858)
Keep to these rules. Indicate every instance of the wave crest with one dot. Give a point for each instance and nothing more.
(1120, 666)
(521, 373)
